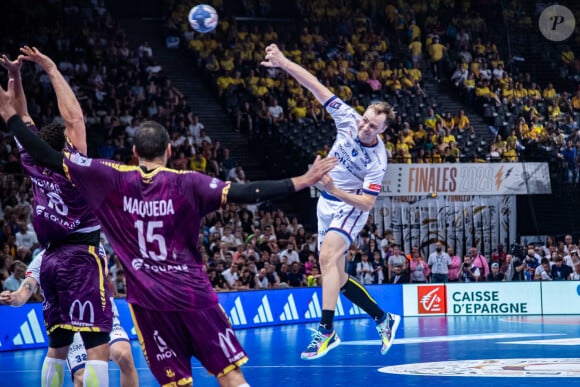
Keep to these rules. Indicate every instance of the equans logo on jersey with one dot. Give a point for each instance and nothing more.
(228, 347)
(264, 312)
(431, 299)
(81, 307)
(139, 263)
(164, 351)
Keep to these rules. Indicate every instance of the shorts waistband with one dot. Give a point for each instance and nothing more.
(92, 238)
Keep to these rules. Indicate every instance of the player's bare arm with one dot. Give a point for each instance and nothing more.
(364, 202)
(13, 67)
(22, 295)
(68, 105)
(275, 58)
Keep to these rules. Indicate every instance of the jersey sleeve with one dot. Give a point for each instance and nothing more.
(344, 116)
(373, 181)
(33, 269)
(209, 192)
(94, 178)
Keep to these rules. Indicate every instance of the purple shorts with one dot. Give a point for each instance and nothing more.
(170, 339)
(76, 296)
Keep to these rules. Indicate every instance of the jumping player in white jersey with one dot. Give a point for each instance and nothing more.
(350, 192)
(119, 344)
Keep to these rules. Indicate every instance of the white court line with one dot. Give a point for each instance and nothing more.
(440, 339)
(569, 341)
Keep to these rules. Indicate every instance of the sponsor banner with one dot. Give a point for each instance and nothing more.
(299, 305)
(493, 298)
(484, 298)
(466, 179)
(424, 300)
(561, 297)
(23, 327)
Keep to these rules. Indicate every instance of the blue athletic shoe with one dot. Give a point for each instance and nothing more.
(387, 330)
(320, 345)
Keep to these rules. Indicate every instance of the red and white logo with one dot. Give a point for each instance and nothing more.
(375, 187)
(431, 299)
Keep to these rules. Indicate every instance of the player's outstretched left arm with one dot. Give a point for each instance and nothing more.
(275, 189)
(13, 67)
(364, 202)
(22, 295)
(68, 105)
(37, 148)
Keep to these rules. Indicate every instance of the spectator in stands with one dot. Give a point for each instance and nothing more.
(439, 263)
(13, 281)
(295, 277)
(469, 272)
(396, 259)
(455, 266)
(479, 261)
(419, 270)
(495, 275)
(543, 271)
(400, 276)
(560, 271)
(26, 237)
(364, 270)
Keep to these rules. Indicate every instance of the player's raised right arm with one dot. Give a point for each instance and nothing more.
(275, 58)
(68, 105)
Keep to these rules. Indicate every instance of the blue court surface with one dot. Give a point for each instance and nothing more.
(481, 351)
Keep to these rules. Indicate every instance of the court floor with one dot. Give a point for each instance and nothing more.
(427, 351)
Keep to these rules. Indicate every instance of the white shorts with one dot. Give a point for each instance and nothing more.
(336, 215)
(77, 355)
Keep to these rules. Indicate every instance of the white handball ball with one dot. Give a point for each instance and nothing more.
(203, 18)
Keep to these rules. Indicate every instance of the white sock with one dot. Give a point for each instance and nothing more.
(53, 372)
(96, 374)
(244, 385)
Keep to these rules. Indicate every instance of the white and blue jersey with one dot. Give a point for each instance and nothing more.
(360, 169)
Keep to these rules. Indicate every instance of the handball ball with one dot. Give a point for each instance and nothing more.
(203, 18)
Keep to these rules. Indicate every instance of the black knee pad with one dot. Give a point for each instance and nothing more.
(94, 339)
(60, 338)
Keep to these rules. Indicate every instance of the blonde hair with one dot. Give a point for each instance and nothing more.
(381, 107)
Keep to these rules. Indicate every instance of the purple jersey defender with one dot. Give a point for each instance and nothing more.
(73, 275)
(152, 221)
(59, 210)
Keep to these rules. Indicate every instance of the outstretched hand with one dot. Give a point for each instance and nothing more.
(274, 57)
(12, 66)
(34, 55)
(6, 297)
(7, 110)
(319, 169)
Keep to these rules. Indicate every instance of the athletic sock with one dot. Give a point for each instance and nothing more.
(358, 295)
(53, 372)
(326, 321)
(96, 374)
